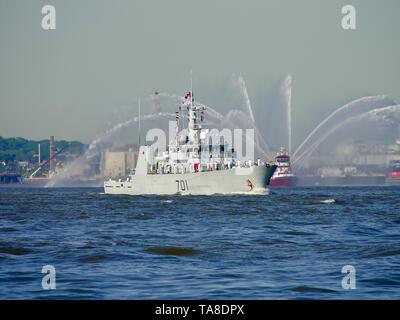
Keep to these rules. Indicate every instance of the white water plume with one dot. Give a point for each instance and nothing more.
(390, 115)
(335, 118)
(122, 125)
(234, 120)
(243, 90)
(380, 106)
(94, 149)
(287, 91)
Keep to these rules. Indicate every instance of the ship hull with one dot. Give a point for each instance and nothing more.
(393, 178)
(249, 180)
(283, 181)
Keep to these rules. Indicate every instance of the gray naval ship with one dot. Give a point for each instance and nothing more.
(184, 169)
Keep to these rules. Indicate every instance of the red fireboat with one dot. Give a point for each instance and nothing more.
(393, 176)
(283, 176)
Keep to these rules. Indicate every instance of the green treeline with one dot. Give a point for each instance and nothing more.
(21, 149)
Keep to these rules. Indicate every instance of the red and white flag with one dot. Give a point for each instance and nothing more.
(186, 99)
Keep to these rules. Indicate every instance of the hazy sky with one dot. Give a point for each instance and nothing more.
(69, 82)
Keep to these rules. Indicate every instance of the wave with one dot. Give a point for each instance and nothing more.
(328, 201)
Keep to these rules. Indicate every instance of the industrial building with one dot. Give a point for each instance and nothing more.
(118, 162)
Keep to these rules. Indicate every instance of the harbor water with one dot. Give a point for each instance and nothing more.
(290, 244)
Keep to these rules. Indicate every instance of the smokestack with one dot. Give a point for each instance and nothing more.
(52, 163)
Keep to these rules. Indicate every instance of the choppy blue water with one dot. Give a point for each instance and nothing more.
(291, 244)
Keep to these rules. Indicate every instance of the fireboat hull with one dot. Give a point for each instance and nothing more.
(393, 178)
(284, 181)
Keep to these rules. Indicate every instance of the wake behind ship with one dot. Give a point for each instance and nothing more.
(183, 168)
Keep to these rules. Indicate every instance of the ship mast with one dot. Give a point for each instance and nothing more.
(193, 125)
(139, 120)
(191, 88)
